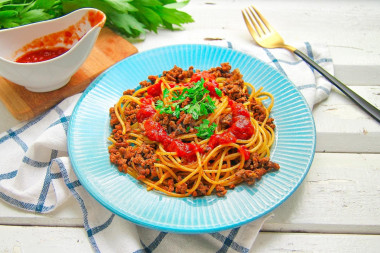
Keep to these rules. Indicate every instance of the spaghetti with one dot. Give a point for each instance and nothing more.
(193, 133)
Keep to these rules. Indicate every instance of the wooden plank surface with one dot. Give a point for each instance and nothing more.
(342, 126)
(24, 104)
(29, 239)
(340, 194)
(314, 242)
(65, 239)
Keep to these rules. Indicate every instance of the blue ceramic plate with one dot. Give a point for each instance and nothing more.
(123, 195)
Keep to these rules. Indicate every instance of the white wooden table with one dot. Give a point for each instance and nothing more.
(337, 207)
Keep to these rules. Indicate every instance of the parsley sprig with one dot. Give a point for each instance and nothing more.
(200, 103)
(204, 130)
(131, 18)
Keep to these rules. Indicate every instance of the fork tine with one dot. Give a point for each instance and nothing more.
(253, 21)
(267, 25)
(250, 24)
(254, 13)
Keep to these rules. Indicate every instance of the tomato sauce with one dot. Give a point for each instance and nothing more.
(223, 138)
(145, 112)
(95, 17)
(241, 127)
(155, 90)
(245, 152)
(41, 55)
(199, 75)
(155, 132)
(210, 84)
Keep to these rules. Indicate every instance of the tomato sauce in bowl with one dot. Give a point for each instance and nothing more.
(40, 55)
(43, 56)
(55, 44)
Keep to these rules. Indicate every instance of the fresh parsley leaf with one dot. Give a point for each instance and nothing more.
(8, 14)
(195, 111)
(218, 92)
(159, 104)
(15, 12)
(177, 111)
(167, 110)
(204, 130)
(176, 93)
(125, 23)
(165, 93)
(34, 16)
(175, 5)
(131, 18)
(203, 109)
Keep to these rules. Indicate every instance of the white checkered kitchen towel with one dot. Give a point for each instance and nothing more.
(36, 174)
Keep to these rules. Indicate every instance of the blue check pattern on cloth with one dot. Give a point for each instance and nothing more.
(36, 173)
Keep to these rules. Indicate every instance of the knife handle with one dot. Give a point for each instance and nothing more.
(370, 109)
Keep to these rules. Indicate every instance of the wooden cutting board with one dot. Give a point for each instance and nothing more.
(24, 104)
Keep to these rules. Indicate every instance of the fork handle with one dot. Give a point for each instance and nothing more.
(370, 109)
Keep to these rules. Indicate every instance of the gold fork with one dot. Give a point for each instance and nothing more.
(266, 36)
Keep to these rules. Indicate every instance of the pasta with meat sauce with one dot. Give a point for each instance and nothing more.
(192, 132)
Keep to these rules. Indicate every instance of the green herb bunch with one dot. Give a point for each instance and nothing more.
(131, 18)
(200, 104)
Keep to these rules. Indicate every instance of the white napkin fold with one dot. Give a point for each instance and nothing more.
(36, 174)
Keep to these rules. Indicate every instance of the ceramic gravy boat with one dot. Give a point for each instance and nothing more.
(76, 31)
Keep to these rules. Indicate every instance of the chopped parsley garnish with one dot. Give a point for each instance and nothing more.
(165, 93)
(218, 92)
(204, 130)
(200, 103)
